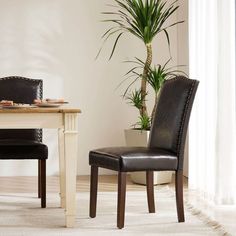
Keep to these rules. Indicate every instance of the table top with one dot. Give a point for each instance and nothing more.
(62, 109)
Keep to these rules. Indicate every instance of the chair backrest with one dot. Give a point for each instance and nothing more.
(21, 90)
(172, 115)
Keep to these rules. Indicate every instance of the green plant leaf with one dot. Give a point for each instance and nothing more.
(143, 19)
(144, 122)
(168, 39)
(114, 47)
(136, 98)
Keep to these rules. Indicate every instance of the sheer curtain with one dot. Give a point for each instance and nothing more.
(212, 144)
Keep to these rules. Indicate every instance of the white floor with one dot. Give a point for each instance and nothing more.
(27, 186)
(21, 215)
(223, 217)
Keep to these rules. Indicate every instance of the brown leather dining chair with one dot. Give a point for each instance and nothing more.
(24, 144)
(165, 151)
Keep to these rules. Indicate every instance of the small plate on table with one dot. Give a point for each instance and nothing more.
(55, 101)
(48, 105)
(17, 106)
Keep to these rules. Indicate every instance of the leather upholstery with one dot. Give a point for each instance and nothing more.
(21, 90)
(21, 143)
(22, 149)
(133, 159)
(167, 137)
(172, 115)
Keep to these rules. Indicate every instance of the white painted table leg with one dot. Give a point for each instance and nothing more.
(61, 149)
(70, 135)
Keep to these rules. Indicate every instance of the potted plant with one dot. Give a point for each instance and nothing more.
(143, 19)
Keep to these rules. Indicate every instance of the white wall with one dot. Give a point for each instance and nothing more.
(57, 41)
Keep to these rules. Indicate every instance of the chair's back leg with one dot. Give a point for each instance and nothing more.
(179, 195)
(39, 179)
(43, 183)
(93, 191)
(121, 199)
(150, 191)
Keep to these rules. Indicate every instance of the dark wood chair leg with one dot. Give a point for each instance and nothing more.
(150, 191)
(43, 183)
(121, 199)
(93, 191)
(39, 178)
(179, 195)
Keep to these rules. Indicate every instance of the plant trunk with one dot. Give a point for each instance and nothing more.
(143, 109)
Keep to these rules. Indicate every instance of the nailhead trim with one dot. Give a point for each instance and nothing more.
(186, 109)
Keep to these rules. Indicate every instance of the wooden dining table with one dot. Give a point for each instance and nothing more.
(65, 120)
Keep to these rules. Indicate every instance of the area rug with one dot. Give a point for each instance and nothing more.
(20, 215)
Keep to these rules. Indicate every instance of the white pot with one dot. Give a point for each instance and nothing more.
(139, 138)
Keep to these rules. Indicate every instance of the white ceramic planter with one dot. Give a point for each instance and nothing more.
(140, 138)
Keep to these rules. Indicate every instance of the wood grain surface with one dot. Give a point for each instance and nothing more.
(40, 110)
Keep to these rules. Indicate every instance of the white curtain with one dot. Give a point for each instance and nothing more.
(212, 147)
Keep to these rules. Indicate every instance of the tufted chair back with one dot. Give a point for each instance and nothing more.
(21, 90)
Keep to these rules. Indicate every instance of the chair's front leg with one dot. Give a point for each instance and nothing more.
(121, 199)
(93, 191)
(43, 183)
(179, 195)
(150, 191)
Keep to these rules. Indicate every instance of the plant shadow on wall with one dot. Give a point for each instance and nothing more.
(144, 20)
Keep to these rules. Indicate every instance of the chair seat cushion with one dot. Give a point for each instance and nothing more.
(133, 159)
(22, 149)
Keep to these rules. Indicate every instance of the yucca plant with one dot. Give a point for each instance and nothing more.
(143, 19)
(156, 76)
(144, 122)
(136, 98)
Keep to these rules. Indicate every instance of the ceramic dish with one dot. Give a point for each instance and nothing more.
(17, 106)
(57, 101)
(48, 105)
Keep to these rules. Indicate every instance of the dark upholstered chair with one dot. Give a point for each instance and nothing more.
(164, 152)
(18, 144)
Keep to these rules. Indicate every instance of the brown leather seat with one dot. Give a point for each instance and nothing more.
(133, 159)
(15, 149)
(164, 152)
(18, 144)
